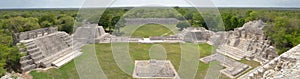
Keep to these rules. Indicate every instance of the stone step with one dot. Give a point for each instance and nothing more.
(47, 61)
(33, 50)
(232, 55)
(31, 46)
(29, 43)
(35, 54)
(67, 58)
(25, 58)
(28, 67)
(26, 62)
(37, 59)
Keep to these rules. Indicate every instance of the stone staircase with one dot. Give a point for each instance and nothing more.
(54, 49)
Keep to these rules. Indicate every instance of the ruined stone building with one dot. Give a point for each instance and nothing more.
(285, 66)
(195, 35)
(33, 34)
(248, 42)
(141, 21)
(90, 33)
(44, 48)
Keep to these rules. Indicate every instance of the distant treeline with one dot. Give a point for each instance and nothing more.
(282, 24)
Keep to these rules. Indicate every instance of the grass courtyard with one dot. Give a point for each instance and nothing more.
(137, 52)
(110, 68)
(149, 30)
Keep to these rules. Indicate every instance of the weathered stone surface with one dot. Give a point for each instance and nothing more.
(43, 50)
(154, 69)
(195, 35)
(248, 42)
(33, 34)
(91, 33)
(285, 66)
(233, 68)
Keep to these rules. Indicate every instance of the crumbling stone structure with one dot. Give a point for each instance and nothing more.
(248, 42)
(195, 35)
(141, 21)
(285, 66)
(45, 48)
(33, 34)
(90, 33)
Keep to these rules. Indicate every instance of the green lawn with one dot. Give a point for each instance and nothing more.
(112, 71)
(149, 30)
(137, 52)
(67, 71)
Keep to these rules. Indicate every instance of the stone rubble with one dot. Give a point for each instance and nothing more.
(285, 66)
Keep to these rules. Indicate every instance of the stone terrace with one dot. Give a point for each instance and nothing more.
(248, 42)
(91, 33)
(154, 69)
(233, 68)
(45, 50)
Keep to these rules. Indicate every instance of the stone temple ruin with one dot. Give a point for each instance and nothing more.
(45, 47)
(48, 47)
(91, 33)
(154, 69)
(141, 21)
(248, 42)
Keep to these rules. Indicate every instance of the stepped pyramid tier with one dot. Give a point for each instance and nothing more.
(91, 33)
(248, 42)
(52, 48)
(196, 35)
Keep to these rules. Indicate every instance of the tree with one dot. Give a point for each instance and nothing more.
(118, 22)
(226, 19)
(198, 21)
(20, 24)
(188, 16)
(66, 24)
(106, 21)
(251, 15)
(234, 22)
(47, 20)
(182, 25)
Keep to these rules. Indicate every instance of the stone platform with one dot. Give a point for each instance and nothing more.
(154, 69)
(233, 68)
(46, 50)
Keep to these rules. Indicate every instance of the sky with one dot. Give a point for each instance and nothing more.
(8, 4)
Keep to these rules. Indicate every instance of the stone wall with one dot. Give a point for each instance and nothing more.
(33, 34)
(141, 21)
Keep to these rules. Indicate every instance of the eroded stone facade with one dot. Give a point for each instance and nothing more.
(248, 42)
